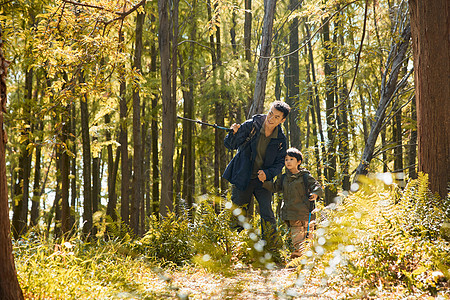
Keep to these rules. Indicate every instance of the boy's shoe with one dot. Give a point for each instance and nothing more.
(296, 254)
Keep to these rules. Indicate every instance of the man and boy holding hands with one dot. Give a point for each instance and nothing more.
(261, 156)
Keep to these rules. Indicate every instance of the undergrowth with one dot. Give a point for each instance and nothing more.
(381, 237)
(371, 241)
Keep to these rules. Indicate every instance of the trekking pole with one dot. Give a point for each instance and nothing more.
(207, 124)
(311, 208)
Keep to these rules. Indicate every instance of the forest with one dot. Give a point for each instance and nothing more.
(111, 177)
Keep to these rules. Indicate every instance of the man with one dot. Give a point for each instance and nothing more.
(261, 146)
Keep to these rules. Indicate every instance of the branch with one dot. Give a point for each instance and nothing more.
(121, 15)
(315, 32)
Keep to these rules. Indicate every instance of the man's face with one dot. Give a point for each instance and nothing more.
(274, 118)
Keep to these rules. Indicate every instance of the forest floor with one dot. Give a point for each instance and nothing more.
(257, 284)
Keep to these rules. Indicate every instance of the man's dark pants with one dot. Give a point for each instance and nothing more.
(264, 198)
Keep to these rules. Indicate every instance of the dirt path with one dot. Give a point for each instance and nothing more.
(279, 283)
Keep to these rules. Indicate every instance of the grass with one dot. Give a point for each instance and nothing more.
(377, 242)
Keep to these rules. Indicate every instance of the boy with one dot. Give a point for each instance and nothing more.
(295, 209)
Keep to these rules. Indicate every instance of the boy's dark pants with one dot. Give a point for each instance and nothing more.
(264, 198)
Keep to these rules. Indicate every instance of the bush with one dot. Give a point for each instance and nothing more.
(381, 236)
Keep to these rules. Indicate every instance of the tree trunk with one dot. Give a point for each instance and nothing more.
(137, 199)
(75, 192)
(248, 43)
(65, 171)
(412, 152)
(9, 285)
(330, 92)
(35, 204)
(293, 96)
(112, 173)
(123, 140)
(430, 22)
(20, 216)
(87, 186)
(264, 59)
(95, 186)
(155, 136)
(169, 110)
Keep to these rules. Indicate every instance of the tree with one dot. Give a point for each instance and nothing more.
(9, 285)
(431, 49)
(168, 114)
(264, 59)
(137, 199)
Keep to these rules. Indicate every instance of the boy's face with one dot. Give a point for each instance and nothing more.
(292, 163)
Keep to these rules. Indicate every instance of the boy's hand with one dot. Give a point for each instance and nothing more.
(313, 197)
(235, 127)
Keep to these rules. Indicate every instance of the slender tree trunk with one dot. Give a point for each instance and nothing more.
(21, 210)
(169, 110)
(112, 173)
(36, 200)
(248, 44)
(123, 140)
(65, 171)
(144, 171)
(293, 80)
(75, 192)
(264, 59)
(57, 201)
(330, 92)
(430, 22)
(364, 118)
(95, 186)
(155, 136)
(189, 179)
(87, 186)
(137, 199)
(412, 152)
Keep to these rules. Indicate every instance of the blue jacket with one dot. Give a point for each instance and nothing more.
(238, 171)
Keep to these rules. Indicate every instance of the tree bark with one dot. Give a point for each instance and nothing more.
(65, 171)
(123, 140)
(168, 115)
(412, 152)
(155, 136)
(264, 59)
(35, 204)
(430, 22)
(137, 199)
(293, 96)
(87, 165)
(112, 173)
(330, 94)
(20, 216)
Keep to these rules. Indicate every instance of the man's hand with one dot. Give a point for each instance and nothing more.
(262, 176)
(313, 197)
(235, 127)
